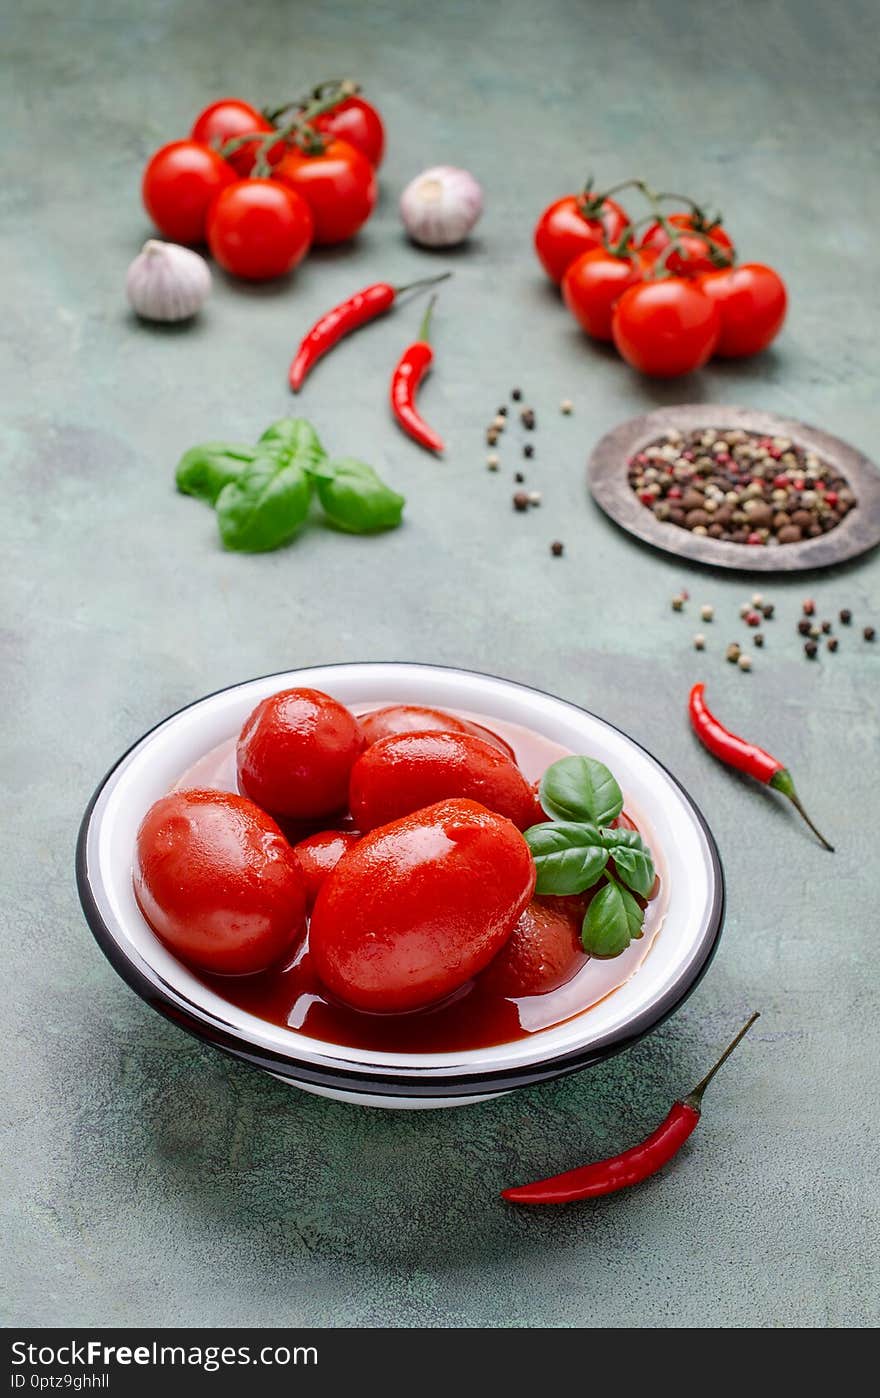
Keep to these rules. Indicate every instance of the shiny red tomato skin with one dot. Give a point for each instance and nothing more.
(666, 327)
(319, 854)
(414, 718)
(420, 906)
(562, 233)
(339, 186)
(595, 282)
(357, 122)
(295, 754)
(218, 883)
(403, 773)
(230, 117)
(543, 952)
(694, 257)
(752, 302)
(180, 183)
(258, 229)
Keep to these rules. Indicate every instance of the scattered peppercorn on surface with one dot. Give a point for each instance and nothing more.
(232, 1199)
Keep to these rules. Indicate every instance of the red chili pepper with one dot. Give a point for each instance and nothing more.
(633, 1165)
(745, 757)
(349, 315)
(411, 368)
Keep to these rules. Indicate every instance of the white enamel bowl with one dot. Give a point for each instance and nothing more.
(665, 813)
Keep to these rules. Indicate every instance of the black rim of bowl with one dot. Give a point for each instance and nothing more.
(148, 984)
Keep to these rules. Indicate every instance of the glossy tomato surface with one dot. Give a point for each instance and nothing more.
(217, 881)
(595, 282)
(357, 122)
(543, 952)
(562, 232)
(414, 718)
(694, 253)
(420, 906)
(230, 118)
(295, 754)
(401, 774)
(752, 302)
(666, 327)
(180, 183)
(319, 854)
(259, 229)
(338, 184)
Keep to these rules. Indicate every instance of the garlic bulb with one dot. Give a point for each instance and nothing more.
(440, 206)
(167, 282)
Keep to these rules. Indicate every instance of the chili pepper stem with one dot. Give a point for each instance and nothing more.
(781, 781)
(694, 1099)
(425, 327)
(423, 281)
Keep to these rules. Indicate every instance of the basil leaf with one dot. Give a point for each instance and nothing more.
(612, 920)
(357, 500)
(266, 505)
(203, 471)
(580, 788)
(632, 859)
(569, 858)
(295, 439)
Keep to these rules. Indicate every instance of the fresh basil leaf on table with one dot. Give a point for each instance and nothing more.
(568, 857)
(612, 920)
(580, 789)
(632, 859)
(354, 498)
(265, 506)
(296, 439)
(204, 470)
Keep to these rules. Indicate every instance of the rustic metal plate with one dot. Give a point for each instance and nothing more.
(609, 486)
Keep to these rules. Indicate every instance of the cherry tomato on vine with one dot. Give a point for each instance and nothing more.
(338, 184)
(179, 185)
(228, 118)
(666, 327)
(259, 229)
(358, 123)
(694, 257)
(564, 231)
(595, 282)
(752, 301)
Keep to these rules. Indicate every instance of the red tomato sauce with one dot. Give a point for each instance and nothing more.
(474, 1016)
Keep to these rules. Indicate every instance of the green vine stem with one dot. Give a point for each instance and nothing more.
(298, 128)
(591, 205)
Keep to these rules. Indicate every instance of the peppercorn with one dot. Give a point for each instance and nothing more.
(521, 501)
(707, 612)
(809, 607)
(699, 641)
(768, 610)
(759, 638)
(733, 652)
(757, 599)
(566, 406)
(491, 436)
(502, 411)
(869, 633)
(499, 423)
(826, 627)
(535, 497)
(518, 477)
(811, 649)
(678, 603)
(815, 631)
(804, 627)
(516, 394)
(527, 417)
(831, 643)
(745, 662)
(753, 618)
(557, 548)
(528, 450)
(846, 616)
(493, 461)
(744, 610)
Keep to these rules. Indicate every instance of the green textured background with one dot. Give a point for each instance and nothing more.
(149, 1180)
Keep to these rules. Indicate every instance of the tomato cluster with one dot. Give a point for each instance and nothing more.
(669, 295)
(261, 204)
